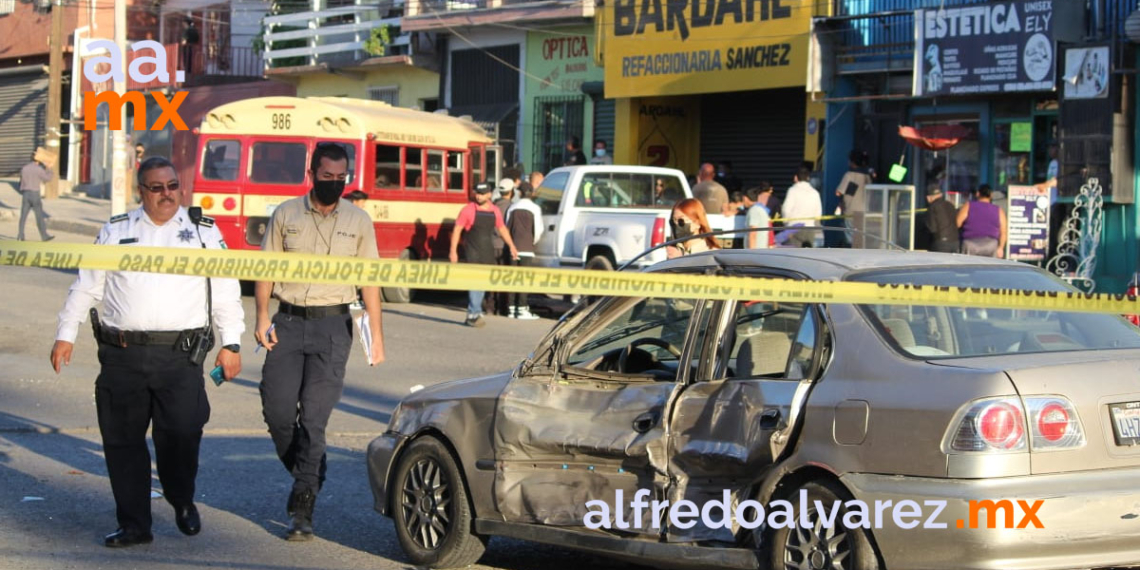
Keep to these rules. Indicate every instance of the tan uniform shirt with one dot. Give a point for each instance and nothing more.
(296, 226)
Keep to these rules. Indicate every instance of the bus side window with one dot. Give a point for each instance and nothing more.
(455, 171)
(220, 160)
(387, 167)
(435, 170)
(414, 169)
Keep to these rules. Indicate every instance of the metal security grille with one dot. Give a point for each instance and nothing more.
(760, 132)
(604, 122)
(23, 112)
(389, 95)
(556, 119)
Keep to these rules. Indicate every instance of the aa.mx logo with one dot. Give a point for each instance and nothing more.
(115, 101)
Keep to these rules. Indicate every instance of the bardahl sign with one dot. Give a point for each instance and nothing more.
(1002, 47)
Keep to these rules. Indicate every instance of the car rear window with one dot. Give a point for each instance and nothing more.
(948, 332)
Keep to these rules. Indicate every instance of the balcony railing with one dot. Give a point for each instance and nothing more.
(337, 36)
(202, 64)
(441, 14)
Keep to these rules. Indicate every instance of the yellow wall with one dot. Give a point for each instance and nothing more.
(415, 84)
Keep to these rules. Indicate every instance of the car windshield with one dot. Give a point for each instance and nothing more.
(948, 332)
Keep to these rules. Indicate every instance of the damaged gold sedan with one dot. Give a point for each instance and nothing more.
(792, 407)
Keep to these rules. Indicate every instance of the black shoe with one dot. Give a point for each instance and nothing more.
(188, 520)
(301, 509)
(49, 238)
(122, 538)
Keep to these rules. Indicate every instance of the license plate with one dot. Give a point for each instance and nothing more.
(1126, 422)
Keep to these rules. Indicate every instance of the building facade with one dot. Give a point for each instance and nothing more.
(716, 81)
(1028, 89)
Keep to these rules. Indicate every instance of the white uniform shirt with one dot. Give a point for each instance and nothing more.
(802, 201)
(136, 301)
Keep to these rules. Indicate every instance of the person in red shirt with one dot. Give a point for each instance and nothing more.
(479, 220)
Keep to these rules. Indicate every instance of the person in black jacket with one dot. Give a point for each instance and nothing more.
(941, 220)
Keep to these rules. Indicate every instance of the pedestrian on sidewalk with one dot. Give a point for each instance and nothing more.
(802, 207)
(941, 220)
(479, 220)
(150, 368)
(851, 195)
(688, 219)
(983, 225)
(32, 178)
(713, 196)
(758, 216)
(310, 338)
(496, 302)
(524, 221)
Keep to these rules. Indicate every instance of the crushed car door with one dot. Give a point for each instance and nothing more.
(594, 427)
(733, 421)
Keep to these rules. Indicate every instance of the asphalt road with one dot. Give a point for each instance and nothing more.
(55, 499)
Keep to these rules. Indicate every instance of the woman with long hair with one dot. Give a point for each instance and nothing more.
(687, 219)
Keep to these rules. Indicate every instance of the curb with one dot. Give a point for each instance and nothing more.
(81, 228)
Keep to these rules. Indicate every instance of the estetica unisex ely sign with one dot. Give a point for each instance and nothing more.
(115, 71)
(679, 47)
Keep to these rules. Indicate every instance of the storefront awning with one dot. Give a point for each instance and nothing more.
(934, 137)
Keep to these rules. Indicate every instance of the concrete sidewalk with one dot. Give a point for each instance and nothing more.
(71, 213)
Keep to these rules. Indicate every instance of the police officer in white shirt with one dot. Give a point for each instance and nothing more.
(151, 326)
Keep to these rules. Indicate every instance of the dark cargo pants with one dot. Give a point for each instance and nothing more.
(301, 383)
(138, 384)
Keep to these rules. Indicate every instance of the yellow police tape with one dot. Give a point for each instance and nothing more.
(307, 268)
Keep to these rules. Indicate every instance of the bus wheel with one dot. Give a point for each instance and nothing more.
(399, 294)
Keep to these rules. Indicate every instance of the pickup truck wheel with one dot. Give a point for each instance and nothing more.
(398, 294)
(600, 262)
(430, 508)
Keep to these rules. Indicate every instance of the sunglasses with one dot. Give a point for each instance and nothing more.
(171, 186)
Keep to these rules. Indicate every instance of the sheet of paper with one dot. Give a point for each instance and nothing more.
(365, 336)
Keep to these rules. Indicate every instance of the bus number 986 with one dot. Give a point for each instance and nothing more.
(282, 121)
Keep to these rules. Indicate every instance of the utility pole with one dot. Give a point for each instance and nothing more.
(55, 100)
(119, 168)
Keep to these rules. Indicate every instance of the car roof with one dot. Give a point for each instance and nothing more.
(619, 168)
(828, 263)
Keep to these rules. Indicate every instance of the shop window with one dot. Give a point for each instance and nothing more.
(1013, 146)
(955, 170)
(556, 120)
(387, 167)
(220, 161)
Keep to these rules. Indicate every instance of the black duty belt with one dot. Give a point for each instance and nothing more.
(312, 313)
(144, 338)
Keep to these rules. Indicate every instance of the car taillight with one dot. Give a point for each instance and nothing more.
(658, 232)
(996, 424)
(1054, 422)
(1001, 424)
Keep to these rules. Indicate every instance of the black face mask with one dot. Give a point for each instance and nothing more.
(681, 231)
(328, 192)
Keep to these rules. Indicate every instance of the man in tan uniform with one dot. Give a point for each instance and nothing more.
(310, 337)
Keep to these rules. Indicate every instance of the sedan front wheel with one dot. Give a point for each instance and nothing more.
(430, 507)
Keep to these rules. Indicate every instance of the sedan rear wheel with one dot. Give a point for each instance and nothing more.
(821, 546)
(432, 514)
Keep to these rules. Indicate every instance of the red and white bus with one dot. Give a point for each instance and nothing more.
(417, 168)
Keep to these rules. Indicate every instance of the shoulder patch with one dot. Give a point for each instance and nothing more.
(119, 218)
(207, 221)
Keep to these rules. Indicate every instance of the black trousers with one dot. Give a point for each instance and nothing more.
(945, 246)
(301, 383)
(521, 299)
(138, 385)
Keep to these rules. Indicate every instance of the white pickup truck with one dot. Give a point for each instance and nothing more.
(599, 217)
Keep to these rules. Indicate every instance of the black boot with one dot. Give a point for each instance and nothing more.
(300, 507)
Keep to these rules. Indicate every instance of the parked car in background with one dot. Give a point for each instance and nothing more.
(599, 217)
(764, 399)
